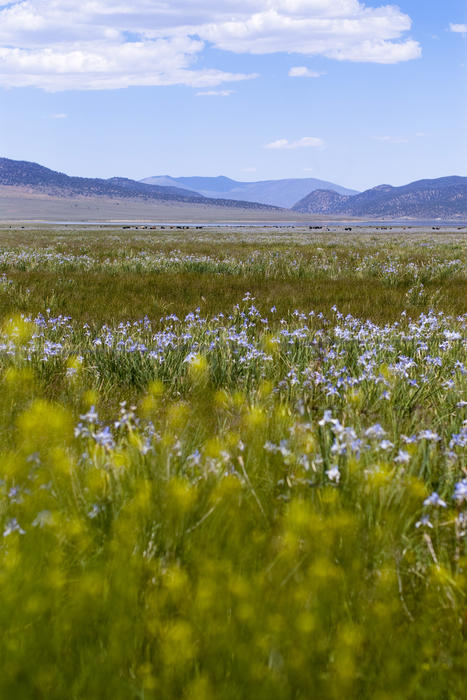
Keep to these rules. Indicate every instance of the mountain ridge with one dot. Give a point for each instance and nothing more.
(27, 174)
(283, 193)
(436, 198)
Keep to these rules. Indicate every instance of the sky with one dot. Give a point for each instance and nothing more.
(357, 93)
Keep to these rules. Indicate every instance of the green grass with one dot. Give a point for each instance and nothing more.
(255, 521)
(92, 296)
(108, 276)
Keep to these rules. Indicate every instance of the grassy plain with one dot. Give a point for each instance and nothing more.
(233, 464)
(130, 274)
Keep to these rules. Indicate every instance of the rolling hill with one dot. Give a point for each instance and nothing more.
(443, 198)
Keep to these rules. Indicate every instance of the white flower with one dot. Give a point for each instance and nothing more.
(333, 473)
(327, 418)
(403, 457)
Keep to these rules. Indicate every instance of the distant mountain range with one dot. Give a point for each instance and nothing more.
(37, 178)
(444, 198)
(279, 193)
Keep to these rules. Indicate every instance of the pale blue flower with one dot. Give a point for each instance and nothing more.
(13, 526)
(434, 500)
(424, 522)
(460, 491)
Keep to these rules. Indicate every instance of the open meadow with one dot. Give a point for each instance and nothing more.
(233, 463)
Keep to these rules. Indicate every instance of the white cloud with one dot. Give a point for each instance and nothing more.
(215, 93)
(303, 72)
(109, 66)
(106, 44)
(459, 28)
(391, 139)
(364, 34)
(60, 115)
(305, 142)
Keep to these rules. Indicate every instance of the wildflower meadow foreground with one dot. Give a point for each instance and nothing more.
(208, 491)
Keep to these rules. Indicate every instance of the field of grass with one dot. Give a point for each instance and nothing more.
(233, 464)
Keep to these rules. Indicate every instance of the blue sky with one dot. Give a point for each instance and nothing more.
(359, 93)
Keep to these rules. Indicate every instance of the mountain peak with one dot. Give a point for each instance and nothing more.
(382, 188)
(320, 202)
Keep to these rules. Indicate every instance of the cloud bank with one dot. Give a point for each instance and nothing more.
(108, 44)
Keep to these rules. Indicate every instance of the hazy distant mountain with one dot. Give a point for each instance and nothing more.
(37, 178)
(444, 197)
(280, 193)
